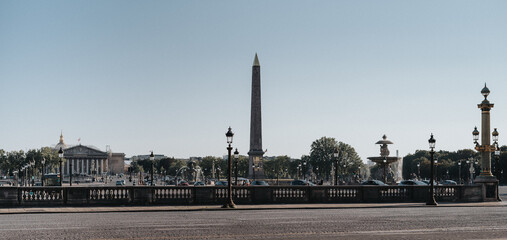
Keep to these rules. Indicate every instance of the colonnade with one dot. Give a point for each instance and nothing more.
(85, 166)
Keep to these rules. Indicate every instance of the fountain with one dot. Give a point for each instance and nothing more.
(391, 165)
(189, 173)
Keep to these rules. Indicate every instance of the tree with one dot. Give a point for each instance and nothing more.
(165, 163)
(276, 167)
(321, 156)
(207, 163)
(447, 164)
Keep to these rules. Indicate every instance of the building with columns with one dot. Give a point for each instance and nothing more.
(88, 160)
(85, 160)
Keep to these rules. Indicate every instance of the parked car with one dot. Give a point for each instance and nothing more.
(183, 183)
(221, 183)
(259, 183)
(120, 183)
(411, 183)
(243, 181)
(448, 182)
(374, 182)
(428, 182)
(199, 184)
(302, 183)
(5, 183)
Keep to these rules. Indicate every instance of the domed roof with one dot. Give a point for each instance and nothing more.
(61, 143)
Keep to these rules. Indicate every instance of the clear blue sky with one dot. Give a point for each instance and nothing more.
(171, 76)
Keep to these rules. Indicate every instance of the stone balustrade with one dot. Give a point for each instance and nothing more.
(209, 195)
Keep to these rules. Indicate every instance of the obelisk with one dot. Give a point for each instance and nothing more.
(255, 154)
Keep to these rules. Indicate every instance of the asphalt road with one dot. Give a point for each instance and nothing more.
(362, 223)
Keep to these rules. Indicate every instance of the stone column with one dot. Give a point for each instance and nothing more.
(67, 167)
(486, 178)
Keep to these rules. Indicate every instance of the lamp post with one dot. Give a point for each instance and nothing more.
(304, 170)
(497, 162)
(469, 163)
(431, 198)
(236, 159)
(42, 172)
(60, 155)
(385, 164)
(459, 172)
(435, 162)
(253, 170)
(229, 203)
(22, 176)
(300, 171)
(152, 158)
(336, 154)
(71, 172)
(316, 174)
(418, 170)
(344, 172)
(32, 169)
(485, 177)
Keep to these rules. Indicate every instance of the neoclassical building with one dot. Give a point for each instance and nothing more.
(85, 160)
(89, 160)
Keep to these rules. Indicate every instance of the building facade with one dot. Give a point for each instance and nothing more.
(81, 160)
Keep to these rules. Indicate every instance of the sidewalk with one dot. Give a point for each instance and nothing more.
(239, 207)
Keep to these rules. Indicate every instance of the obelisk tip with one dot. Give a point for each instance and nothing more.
(256, 60)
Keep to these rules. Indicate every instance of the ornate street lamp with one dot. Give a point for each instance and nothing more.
(486, 178)
(253, 170)
(418, 170)
(336, 154)
(431, 198)
(42, 172)
(497, 162)
(459, 172)
(152, 159)
(229, 203)
(71, 172)
(60, 155)
(32, 169)
(236, 159)
(385, 168)
(300, 171)
(304, 170)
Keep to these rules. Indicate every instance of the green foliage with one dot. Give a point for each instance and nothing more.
(446, 162)
(14, 160)
(321, 157)
(277, 167)
(207, 163)
(243, 166)
(166, 165)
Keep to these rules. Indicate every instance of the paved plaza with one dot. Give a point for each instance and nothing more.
(351, 223)
(324, 221)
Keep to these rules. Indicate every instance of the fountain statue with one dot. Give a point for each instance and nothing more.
(190, 173)
(391, 166)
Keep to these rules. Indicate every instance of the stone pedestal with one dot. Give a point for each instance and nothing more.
(489, 187)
